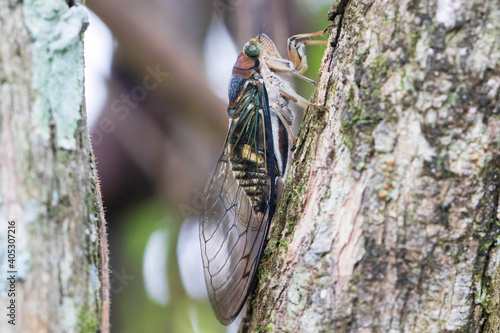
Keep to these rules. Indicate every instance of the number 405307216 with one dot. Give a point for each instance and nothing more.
(11, 247)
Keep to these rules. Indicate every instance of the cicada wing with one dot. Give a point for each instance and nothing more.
(239, 204)
(231, 242)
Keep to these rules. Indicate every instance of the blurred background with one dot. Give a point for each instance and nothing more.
(157, 73)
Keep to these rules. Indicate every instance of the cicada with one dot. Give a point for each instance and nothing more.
(243, 192)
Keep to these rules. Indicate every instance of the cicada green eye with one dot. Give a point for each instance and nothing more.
(251, 49)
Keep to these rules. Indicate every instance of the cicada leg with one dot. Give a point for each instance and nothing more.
(297, 49)
(288, 129)
(297, 64)
(291, 95)
(283, 65)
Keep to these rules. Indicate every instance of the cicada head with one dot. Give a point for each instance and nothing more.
(249, 60)
(252, 49)
(266, 46)
(245, 66)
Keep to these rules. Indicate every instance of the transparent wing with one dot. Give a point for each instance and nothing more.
(240, 201)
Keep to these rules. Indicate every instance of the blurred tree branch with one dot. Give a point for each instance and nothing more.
(136, 30)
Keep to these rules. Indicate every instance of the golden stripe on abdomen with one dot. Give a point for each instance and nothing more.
(251, 176)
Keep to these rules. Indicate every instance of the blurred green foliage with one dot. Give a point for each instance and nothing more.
(315, 53)
(137, 312)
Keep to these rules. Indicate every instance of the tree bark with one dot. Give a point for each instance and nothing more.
(49, 187)
(389, 220)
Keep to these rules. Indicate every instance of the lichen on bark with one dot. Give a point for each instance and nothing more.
(48, 181)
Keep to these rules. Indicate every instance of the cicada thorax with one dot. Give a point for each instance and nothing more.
(243, 70)
(246, 149)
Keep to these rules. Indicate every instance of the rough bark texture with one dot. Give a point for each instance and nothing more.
(48, 182)
(389, 221)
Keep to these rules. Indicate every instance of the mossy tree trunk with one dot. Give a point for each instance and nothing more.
(389, 222)
(49, 189)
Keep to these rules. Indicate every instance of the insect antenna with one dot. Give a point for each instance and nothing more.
(261, 29)
(218, 13)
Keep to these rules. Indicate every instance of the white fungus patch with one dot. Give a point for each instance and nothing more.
(30, 211)
(67, 260)
(446, 12)
(94, 278)
(384, 137)
(93, 233)
(70, 314)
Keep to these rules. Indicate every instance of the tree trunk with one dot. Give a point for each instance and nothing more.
(50, 205)
(389, 221)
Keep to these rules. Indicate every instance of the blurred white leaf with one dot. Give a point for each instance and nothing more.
(154, 269)
(98, 44)
(220, 55)
(189, 259)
